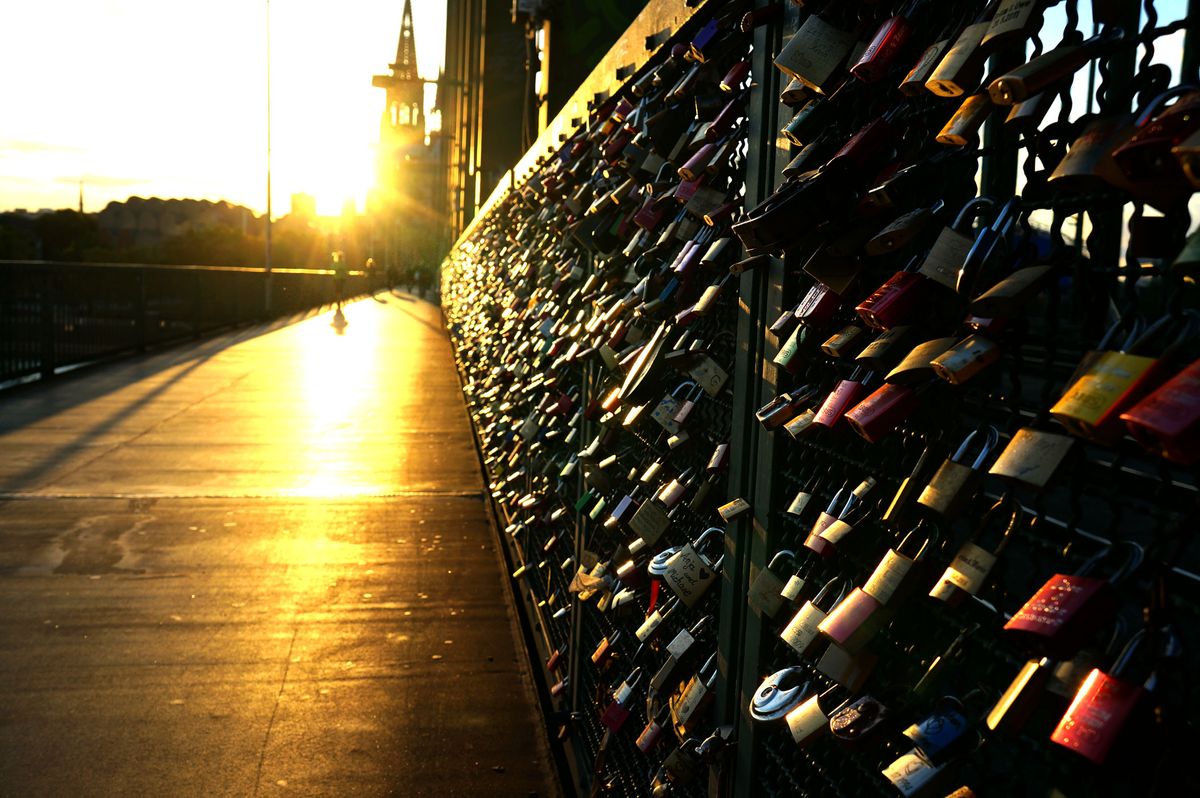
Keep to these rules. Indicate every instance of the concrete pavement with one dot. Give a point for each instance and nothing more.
(258, 565)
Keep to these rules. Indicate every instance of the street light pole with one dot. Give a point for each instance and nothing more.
(267, 280)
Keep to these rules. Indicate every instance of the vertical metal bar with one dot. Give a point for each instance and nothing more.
(999, 177)
(139, 313)
(759, 293)
(1191, 46)
(47, 322)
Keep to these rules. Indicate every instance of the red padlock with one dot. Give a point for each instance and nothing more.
(818, 306)
(1167, 421)
(897, 300)
(845, 395)
(1059, 618)
(652, 733)
(881, 53)
(881, 412)
(1103, 705)
(618, 710)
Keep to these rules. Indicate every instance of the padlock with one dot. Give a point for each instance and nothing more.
(555, 660)
(1032, 457)
(889, 40)
(618, 710)
(911, 772)
(809, 721)
(846, 342)
(675, 489)
(954, 484)
(846, 668)
(653, 732)
(653, 622)
(902, 567)
(887, 348)
(859, 722)
(845, 395)
(650, 521)
(1167, 420)
(785, 407)
(1052, 66)
(913, 83)
(1103, 706)
(1146, 156)
(969, 570)
(1013, 22)
(942, 733)
(688, 705)
(801, 632)
(965, 359)
(604, 651)
(853, 621)
(962, 128)
(815, 52)
(818, 306)
(806, 123)
(903, 230)
(682, 765)
(1012, 293)
(1067, 609)
(1022, 696)
(763, 596)
(689, 573)
(895, 517)
(684, 640)
(961, 67)
(795, 585)
(948, 256)
(882, 411)
(779, 694)
(1187, 153)
(897, 300)
(688, 404)
(845, 510)
(1108, 382)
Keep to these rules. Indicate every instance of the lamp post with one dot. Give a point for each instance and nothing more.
(267, 278)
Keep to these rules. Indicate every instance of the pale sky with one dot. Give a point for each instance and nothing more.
(166, 98)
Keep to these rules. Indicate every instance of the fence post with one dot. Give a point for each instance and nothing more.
(47, 323)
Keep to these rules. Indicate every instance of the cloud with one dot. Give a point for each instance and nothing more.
(29, 147)
(102, 180)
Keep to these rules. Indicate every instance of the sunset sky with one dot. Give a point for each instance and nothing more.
(165, 98)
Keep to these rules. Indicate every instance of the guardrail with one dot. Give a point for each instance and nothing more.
(55, 316)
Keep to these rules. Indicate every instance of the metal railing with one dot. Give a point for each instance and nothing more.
(55, 316)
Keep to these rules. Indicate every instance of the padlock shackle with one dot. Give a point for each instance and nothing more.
(993, 437)
(1155, 106)
(1134, 557)
(930, 538)
(971, 210)
(1015, 518)
(791, 555)
(841, 581)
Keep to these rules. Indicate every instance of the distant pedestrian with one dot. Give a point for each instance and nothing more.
(341, 270)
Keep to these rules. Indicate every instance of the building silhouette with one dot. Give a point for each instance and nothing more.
(408, 206)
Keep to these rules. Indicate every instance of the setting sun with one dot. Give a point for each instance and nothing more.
(172, 114)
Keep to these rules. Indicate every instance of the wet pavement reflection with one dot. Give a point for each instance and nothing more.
(258, 565)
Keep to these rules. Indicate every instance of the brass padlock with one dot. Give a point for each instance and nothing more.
(969, 570)
(965, 359)
(801, 632)
(763, 594)
(1032, 457)
(953, 485)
